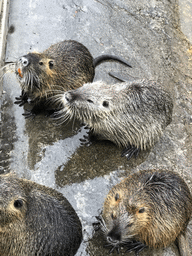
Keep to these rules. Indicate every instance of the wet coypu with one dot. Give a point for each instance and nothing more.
(147, 209)
(67, 65)
(36, 220)
(131, 114)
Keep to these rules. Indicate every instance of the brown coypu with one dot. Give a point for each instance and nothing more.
(132, 114)
(36, 220)
(147, 209)
(67, 65)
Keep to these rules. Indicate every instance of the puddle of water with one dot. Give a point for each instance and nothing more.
(146, 34)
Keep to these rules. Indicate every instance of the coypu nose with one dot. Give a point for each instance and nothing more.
(112, 241)
(114, 236)
(69, 97)
(24, 61)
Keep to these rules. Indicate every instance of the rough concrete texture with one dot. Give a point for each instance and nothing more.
(154, 36)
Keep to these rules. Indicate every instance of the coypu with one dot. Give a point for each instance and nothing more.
(67, 65)
(36, 220)
(132, 114)
(147, 209)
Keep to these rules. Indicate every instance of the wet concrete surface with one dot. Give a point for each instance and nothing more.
(154, 36)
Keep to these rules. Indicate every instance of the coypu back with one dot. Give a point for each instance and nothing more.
(36, 220)
(151, 207)
(63, 66)
(72, 63)
(131, 114)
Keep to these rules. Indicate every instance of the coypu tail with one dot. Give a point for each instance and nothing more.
(102, 58)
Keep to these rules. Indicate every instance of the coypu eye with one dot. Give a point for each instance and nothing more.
(105, 104)
(40, 63)
(90, 101)
(51, 64)
(18, 203)
(141, 210)
(116, 197)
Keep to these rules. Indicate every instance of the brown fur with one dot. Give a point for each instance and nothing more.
(36, 220)
(152, 207)
(63, 66)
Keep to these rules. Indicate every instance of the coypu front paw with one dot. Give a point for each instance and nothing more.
(130, 151)
(29, 114)
(135, 246)
(22, 99)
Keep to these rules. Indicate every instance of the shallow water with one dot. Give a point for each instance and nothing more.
(155, 37)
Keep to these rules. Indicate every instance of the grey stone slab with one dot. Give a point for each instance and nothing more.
(148, 35)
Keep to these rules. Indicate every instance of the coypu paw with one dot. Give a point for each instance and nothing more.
(130, 151)
(111, 250)
(135, 246)
(96, 226)
(22, 99)
(29, 114)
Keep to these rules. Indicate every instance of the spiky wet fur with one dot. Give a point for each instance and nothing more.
(167, 204)
(46, 224)
(72, 66)
(136, 115)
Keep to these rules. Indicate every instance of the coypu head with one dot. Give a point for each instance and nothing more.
(34, 71)
(92, 103)
(131, 113)
(13, 205)
(36, 220)
(124, 218)
(151, 207)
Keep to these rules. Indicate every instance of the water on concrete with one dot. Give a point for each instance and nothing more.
(155, 37)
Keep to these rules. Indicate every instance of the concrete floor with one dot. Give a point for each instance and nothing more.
(154, 36)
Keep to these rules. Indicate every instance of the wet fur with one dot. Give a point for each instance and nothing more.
(46, 223)
(167, 202)
(131, 113)
(67, 65)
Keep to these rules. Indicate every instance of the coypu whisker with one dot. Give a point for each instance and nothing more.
(67, 65)
(133, 115)
(36, 220)
(8, 68)
(148, 209)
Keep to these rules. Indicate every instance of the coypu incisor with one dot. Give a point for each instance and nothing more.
(36, 220)
(147, 209)
(67, 65)
(131, 114)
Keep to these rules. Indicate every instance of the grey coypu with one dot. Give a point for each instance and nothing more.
(36, 220)
(147, 209)
(133, 114)
(67, 65)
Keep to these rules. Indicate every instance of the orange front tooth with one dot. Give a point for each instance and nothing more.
(19, 71)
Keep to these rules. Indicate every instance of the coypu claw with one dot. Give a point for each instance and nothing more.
(96, 226)
(130, 151)
(135, 246)
(29, 114)
(112, 249)
(22, 99)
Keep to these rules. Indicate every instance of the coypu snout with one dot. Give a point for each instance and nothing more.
(114, 236)
(68, 97)
(24, 61)
(150, 208)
